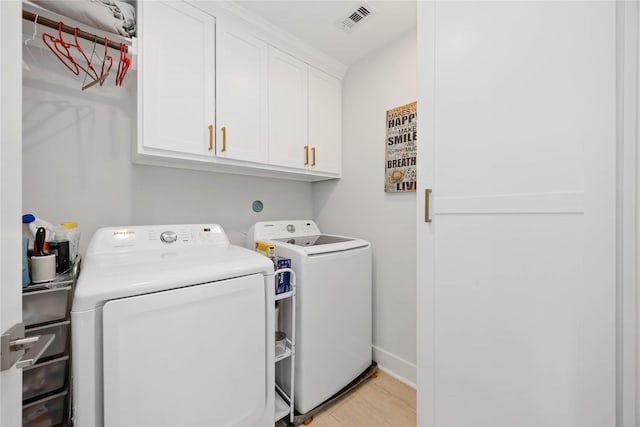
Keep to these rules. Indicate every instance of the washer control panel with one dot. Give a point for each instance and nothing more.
(268, 230)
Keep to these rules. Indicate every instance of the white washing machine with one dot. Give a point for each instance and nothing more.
(172, 326)
(333, 307)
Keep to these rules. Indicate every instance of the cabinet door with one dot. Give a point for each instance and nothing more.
(325, 122)
(287, 110)
(241, 75)
(177, 46)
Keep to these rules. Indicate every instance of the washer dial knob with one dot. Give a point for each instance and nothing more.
(168, 236)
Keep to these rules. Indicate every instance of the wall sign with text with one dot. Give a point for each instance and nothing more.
(401, 150)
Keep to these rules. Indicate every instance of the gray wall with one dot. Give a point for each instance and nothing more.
(357, 204)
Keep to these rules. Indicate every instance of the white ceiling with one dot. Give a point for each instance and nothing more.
(317, 23)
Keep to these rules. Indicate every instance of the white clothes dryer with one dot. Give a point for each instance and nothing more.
(172, 326)
(333, 308)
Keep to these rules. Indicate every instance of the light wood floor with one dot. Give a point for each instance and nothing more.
(381, 401)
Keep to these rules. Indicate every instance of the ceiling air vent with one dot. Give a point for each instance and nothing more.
(356, 17)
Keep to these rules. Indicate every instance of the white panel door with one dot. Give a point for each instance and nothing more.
(288, 120)
(516, 279)
(11, 205)
(194, 356)
(241, 75)
(177, 49)
(325, 121)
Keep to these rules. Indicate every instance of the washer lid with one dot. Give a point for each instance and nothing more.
(321, 244)
(303, 236)
(322, 239)
(145, 264)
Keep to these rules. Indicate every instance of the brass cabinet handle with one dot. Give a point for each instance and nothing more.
(427, 214)
(313, 152)
(306, 155)
(224, 138)
(210, 137)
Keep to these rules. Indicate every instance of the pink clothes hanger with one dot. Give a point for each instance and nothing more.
(123, 65)
(63, 51)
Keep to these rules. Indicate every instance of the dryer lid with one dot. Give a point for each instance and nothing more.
(143, 263)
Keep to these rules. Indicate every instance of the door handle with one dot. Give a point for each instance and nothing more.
(21, 351)
(35, 351)
(313, 156)
(224, 138)
(427, 196)
(306, 155)
(210, 137)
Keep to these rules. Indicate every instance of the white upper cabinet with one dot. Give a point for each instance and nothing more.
(176, 97)
(218, 92)
(288, 120)
(305, 116)
(325, 122)
(241, 76)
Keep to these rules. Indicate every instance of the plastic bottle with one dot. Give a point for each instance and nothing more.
(72, 234)
(26, 233)
(34, 223)
(25, 264)
(51, 229)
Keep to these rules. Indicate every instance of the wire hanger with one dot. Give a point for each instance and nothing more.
(89, 70)
(35, 31)
(93, 51)
(106, 58)
(26, 44)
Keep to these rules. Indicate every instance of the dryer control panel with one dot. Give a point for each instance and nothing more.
(150, 237)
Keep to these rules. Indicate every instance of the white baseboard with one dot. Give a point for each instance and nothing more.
(395, 366)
